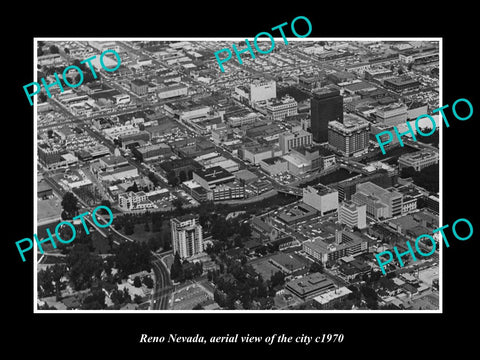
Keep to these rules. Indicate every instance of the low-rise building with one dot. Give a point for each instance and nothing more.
(321, 198)
(135, 201)
(310, 286)
(280, 109)
(418, 160)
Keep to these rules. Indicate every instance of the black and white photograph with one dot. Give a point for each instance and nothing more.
(279, 181)
(219, 181)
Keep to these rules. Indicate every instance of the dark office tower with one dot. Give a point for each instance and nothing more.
(326, 105)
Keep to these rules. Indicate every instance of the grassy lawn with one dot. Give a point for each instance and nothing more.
(141, 235)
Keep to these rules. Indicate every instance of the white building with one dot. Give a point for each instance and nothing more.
(135, 201)
(122, 130)
(187, 236)
(353, 215)
(280, 109)
(291, 140)
(263, 90)
(321, 198)
(121, 99)
(418, 160)
(172, 91)
(392, 114)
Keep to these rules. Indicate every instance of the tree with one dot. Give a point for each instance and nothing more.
(129, 228)
(66, 51)
(316, 267)
(106, 203)
(155, 243)
(40, 51)
(178, 204)
(70, 205)
(172, 178)
(53, 49)
(82, 266)
(156, 222)
(277, 279)
(133, 188)
(50, 133)
(137, 282)
(148, 281)
(245, 230)
(176, 270)
(119, 297)
(137, 299)
(153, 178)
(42, 97)
(132, 257)
(45, 285)
(94, 301)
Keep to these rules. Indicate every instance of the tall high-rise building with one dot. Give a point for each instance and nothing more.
(353, 215)
(326, 105)
(187, 236)
(351, 137)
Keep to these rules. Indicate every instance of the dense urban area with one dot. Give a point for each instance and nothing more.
(259, 188)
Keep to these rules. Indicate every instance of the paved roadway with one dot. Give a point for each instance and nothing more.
(163, 288)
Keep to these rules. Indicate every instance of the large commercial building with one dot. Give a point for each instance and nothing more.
(139, 87)
(352, 215)
(274, 165)
(187, 236)
(310, 286)
(149, 152)
(321, 198)
(242, 119)
(213, 176)
(347, 188)
(172, 91)
(346, 244)
(262, 90)
(350, 137)
(292, 140)
(392, 114)
(219, 184)
(280, 109)
(418, 160)
(326, 105)
(401, 83)
(381, 203)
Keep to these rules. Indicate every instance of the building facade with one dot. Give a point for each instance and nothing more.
(326, 105)
(187, 236)
(353, 215)
(262, 90)
(292, 140)
(349, 138)
(280, 109)
(418, 160)
(322, 198)
(381, 203)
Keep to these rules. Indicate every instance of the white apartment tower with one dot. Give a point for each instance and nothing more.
(353, 215)
(187, 236)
